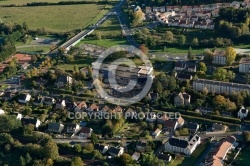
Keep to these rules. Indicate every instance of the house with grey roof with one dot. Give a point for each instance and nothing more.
(192, 127)
(184, 146)
(63, 81)
(114, 151)
(55, 127)
(182, 99)
(30, 120)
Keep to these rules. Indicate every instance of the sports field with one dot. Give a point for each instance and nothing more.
(53, 18)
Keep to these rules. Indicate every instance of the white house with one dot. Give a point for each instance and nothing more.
(60, 104)
(71, 128)
(186, 146)
(113, 151)
(101, 148)
(24, 98)
(243, 112)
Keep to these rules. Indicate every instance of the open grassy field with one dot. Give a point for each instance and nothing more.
(34, 49)
(243, 158)
(53, 18)
(22, 2)
(110, 27)
(104, 42)
(80, 63)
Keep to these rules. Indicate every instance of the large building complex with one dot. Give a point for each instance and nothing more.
(219, 86)
(244, 66)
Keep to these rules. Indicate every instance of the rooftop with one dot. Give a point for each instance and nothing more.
(245, 61)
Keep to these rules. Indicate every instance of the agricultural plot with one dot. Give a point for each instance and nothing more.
(53, 18)
(22, 2)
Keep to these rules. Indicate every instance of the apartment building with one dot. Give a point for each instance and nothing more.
(244, 66)
(219, 57)
(219, 86)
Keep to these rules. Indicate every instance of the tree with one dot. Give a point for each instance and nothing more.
(76, 69)
(27, 111)
(98, 36)
(208, 56)
(190, 54)
(126, 159)
(78, 148)
(202, 66)
(28, 129)
(137, 17)
(182, 40)
(25, 26)
(94, 138)
(195, 42)
(230, 55)
(221, 74)
(22, 161)
(219, 102)
(144, 49)
(169, 36)
(51, 150)
(246, 136)
(158, 87)
(8, 123)
(77, 161)
(151, 159)
(28, 159)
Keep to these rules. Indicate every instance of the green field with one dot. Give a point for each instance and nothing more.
(104, 42)
(110, 27)
(34, 49)
(54, 18)
(22, 2)
(244, 158)
(80, 63)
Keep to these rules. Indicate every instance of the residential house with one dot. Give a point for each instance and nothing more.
(116, 152)
(243, 112)
(105, 109)
(219, 87)
(24, 98)
(244, 65)
(29, 120)
(191, 68)
(162, 119)
(2, 111)
(185, 146)
(151, 117)
(49, 100)
(167, 158)
(180, 122)
(148, 10)
(192, 127)
(55, 127)
(60, 104)
(156, 133)
(170, 125)
(180, 66)
(184, 77)
(93, 107)
(141, 146)
(85, 132)
(219, 154)
(18, 115)
(182, 99)
(159, 9)
(70, 105)
(7, 96)
(136, 156)
(204, 110)
(130, 113)
(63, 81)
(153, 96)
(71, 128)
(117, 109)
(101, 148)
(38, 100)
(219, 127)
(81, 106)
(219, 57)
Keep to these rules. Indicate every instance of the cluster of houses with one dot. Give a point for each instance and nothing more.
(200, 16)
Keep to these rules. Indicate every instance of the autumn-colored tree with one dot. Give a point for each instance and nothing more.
(143, 48)
(202, 66)
(208, 56)
(126, 159)
(230, 55)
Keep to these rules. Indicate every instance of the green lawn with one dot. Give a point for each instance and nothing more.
(22, 2)
(244, 158)
(179, 50)
(110, 27)
(3, 86)
(80, 63)
(54, 18)
(34, 49)
(177, 162)
(104, 42)
(196, 154)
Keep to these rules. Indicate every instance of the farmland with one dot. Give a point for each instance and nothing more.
(22, 2)
(54, 18)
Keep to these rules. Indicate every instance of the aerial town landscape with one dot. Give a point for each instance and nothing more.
(124, 82)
